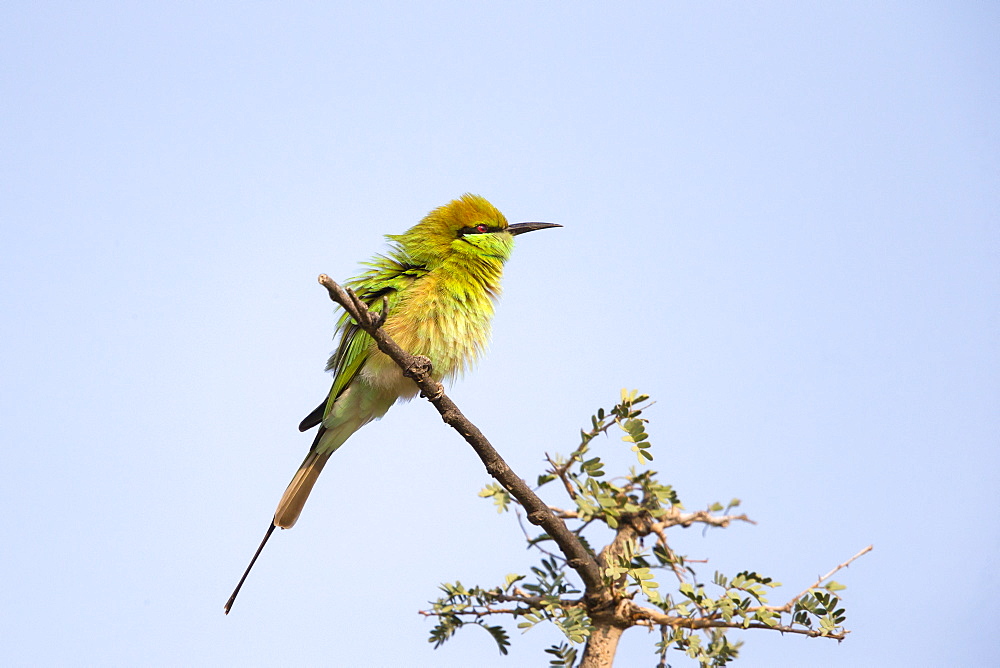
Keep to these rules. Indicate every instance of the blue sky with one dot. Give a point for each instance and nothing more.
(781, 221)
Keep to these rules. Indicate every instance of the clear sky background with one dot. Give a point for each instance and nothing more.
(781, 221)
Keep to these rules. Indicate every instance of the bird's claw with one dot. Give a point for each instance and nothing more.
(437, 394)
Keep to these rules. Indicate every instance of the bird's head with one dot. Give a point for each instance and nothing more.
(469, 226)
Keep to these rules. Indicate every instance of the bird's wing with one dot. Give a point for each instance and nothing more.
(386, 279)
(346, 362)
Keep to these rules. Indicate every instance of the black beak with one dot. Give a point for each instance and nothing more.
(521, 228)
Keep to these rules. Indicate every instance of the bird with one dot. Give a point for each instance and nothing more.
(438, 282)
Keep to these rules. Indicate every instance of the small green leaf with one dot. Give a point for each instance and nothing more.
(511, 579)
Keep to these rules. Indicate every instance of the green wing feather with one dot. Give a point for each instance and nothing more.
(387, 276)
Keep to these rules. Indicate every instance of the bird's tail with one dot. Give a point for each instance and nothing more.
(299, 488)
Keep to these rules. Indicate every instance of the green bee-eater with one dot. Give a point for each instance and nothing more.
(439, 279)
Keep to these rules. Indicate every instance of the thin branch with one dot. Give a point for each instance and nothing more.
(644, 616)
(564, 514)
(787, 607)
(580, 449)
(535, 542)
(675, 517)
(661, 537)
(419, 369)
(520, 596)
(560, 471)
(484, 611)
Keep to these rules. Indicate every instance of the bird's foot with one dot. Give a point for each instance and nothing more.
(419, 365)
(437, 394)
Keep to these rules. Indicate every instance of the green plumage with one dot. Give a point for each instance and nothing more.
(440, 280)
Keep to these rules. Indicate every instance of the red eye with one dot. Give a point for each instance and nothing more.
(481, 228)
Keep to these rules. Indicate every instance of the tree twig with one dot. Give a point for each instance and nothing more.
(787, 607)
(536, 542)
(649, 617)
(560, 471)
(675, 517)
(661, 537)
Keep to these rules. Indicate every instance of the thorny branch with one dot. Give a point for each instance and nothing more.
(519, 596)
(640, 615)
(419, 369)
(787, 607)
(673, 517)
(598, 598)
(649, 617)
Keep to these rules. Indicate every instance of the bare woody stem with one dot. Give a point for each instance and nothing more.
(418, 368)
(787, 607)
(647, 616)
